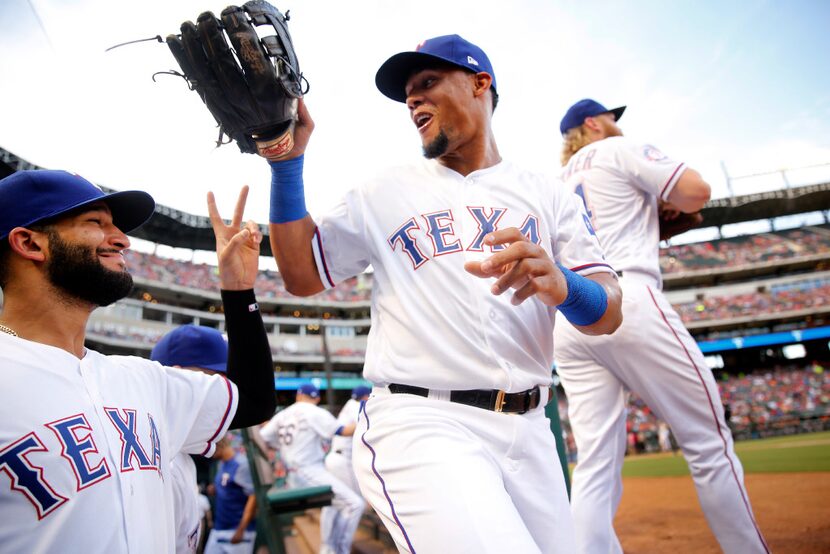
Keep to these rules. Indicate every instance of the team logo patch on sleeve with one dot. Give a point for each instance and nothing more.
(653, 153)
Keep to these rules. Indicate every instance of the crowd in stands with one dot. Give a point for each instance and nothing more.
(205, 277)
(798, 295)
(730, 252)
(745, 250)
(783, 400)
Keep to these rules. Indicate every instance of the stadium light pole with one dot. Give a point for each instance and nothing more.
(327, 365)
(728, 178)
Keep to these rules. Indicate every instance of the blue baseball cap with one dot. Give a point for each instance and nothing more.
(192, 346)
(452, 49)
(361, 391)
(30, 196)
(309, 389)
(586, 107)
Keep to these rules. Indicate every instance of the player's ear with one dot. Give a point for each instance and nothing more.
(29, 244)
(481, 82)
(592, 124)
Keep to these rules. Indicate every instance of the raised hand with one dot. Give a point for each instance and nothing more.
(302, 130)
(522, 266)
(237, 247)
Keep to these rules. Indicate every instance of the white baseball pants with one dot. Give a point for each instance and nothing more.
(446, 477)
(653, 355)
(340, 465)
(339, 521)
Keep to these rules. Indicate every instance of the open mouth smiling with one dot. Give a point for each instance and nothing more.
(422, 120)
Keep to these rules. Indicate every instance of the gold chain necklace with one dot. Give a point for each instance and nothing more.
(8, 330)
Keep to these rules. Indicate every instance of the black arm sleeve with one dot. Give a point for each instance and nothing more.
(249, 359)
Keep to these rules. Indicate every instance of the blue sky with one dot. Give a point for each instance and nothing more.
(743, 82)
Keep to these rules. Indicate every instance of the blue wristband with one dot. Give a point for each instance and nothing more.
(586, 301)
(287, 195)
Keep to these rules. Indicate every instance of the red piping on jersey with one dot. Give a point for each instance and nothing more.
(224, 417)
(663, 191)
(589, 266)
(323, 256)
(715, 417)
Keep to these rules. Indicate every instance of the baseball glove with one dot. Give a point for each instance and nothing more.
(251, 86)
(674, 222)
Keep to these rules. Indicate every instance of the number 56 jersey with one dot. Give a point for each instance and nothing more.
(298, 432)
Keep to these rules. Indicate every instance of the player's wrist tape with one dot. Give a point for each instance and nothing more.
(287, 194)
(586, 301)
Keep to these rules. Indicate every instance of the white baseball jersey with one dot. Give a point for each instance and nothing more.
(651, 354)
(347, 415)
(620, 182)
(435, 325)
(187, 508)
(298, 431)
(86, 446)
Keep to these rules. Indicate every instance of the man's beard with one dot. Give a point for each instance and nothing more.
(76, 270)
(438, 146)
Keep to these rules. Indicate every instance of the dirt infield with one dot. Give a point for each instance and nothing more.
(661, 514)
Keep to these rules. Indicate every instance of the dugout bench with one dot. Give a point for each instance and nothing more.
(276, 508)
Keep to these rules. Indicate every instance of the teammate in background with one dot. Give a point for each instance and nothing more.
(298, 433)
(339, 458)
(622, 183)
(198, 349)
(234, 525)
(664, 437)
(86, 440)
(438, 457)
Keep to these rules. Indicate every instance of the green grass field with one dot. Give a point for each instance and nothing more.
(808, 452)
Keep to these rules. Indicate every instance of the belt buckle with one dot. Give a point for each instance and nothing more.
(500, 402)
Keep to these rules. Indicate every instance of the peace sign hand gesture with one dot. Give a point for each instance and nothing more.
(237, 247)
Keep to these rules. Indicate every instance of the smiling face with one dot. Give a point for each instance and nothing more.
(445, 106)
(85, 256)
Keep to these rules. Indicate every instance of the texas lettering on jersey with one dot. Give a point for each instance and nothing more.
(439, 228)
(78, 448)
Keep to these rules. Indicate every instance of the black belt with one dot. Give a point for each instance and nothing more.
(493, 400)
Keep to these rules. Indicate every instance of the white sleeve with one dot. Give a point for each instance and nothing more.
(268, 432)
(323, 423)
(650, 169)
(204, 504)
(574, 242)
(339, 243)
(243, 475)
(199, 409)
(348, 414)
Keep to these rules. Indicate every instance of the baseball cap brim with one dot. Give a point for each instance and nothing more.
(34, 196)
(130, 208)
(617, 112)
(392, 76)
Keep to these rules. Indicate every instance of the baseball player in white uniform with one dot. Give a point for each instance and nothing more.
(621, 183)
(298, 432)
(339, 458)
(86, 440)
(454, 432)
(205, 350)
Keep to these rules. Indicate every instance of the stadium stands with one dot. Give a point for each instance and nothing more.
(746, 250)
(204, 277)
(800, 294)
(782, 400)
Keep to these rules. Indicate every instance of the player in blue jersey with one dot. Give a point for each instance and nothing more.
(234, 526)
